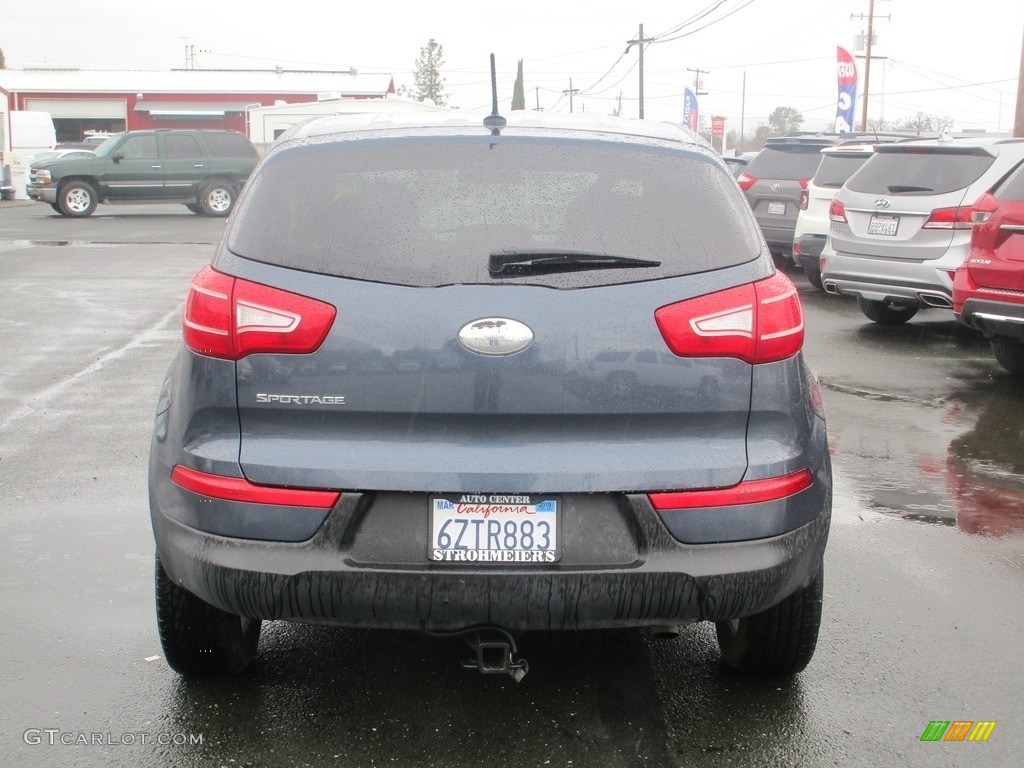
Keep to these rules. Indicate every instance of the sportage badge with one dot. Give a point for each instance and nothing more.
(495, 336)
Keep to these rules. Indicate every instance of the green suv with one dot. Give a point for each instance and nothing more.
(205, 170)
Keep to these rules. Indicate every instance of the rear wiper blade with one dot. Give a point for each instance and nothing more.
(897, 188)
(512, 262)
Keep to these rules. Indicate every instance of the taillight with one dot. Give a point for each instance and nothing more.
(803, 193)
(240, 489)
(230, 318)
(746, 181)
(983, 208)
(957, 217)
(747, 492)
(837, 211)
(758, 322)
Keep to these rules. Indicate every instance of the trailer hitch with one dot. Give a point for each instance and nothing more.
(494, 651)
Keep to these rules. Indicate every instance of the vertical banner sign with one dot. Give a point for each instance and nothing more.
(690, 110)
(847, 72)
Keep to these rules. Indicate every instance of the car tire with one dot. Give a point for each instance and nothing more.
(217, 199)
(814, 276)
(198, 639)
(782, 261)
(778, 642)
(194, 207)
(885, 314)
(1010, 355)
(76, 199)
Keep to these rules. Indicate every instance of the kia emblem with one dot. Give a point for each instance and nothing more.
(495, 336)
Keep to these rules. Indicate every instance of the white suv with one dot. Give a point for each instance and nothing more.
(901, 225)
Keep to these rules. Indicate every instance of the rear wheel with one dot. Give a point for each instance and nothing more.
(200, 640)
(814, 276)
(1010, 355)
(884, 313)
(217, 198)
(777, 642)
(76, 199)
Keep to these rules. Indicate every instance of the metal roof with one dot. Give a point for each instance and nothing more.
(219, 81)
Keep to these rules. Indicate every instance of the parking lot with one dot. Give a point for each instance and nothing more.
(923, 575)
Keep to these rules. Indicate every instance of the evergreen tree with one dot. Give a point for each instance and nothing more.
(518, 90)
(785, 120)
(3, 59)
(429, 83)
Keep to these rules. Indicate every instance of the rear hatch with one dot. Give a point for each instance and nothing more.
(774, 181)
(910, 201)
(484, 289)
(997, 240)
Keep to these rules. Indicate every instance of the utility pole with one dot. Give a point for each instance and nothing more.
(743, 108)
(536, 93)
(639, 40)
(571, 91)
(698, 88)
(867, 61)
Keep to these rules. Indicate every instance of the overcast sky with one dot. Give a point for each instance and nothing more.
(960, 61)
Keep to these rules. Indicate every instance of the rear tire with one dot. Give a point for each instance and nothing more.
(198, 639)
(814, 276)
(76, 199)
(778, 642)
(217, 199)
(1010, 355)
(885, 314)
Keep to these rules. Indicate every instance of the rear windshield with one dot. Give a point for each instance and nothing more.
(1013, 187)
(919, 172)
(797, 161)
(430, 211)
(836, 169)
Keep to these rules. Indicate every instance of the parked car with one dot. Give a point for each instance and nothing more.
(205, 170)
(901, 225)
(57, 154)
(774, 182)
(498, 485)
(738, 163)
(837, 164)
(988, 289)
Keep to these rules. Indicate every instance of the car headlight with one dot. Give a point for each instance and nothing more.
(43, 177)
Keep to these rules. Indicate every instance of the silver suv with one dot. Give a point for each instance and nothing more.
(901, 225)
(466, 378)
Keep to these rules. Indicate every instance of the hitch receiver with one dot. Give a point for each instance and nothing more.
(495, 652)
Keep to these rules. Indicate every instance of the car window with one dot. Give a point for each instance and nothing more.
(180, 146)
(140, 148)
(836, 169)
(430, 211)
(798, 161)
(229, 144)
(919, 172)
(1012, 187)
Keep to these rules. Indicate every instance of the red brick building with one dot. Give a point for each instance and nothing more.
(82, 100)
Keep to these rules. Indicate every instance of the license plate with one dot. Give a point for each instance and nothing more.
(776, 208)
(494, 528)
(883, 224)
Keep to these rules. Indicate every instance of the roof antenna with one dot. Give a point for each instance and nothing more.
(494, 121)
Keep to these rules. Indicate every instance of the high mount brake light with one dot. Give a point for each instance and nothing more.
(758, 322)
(229, 318)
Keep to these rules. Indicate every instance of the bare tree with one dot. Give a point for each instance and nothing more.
(429, 83)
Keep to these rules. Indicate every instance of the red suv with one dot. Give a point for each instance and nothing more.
(988, 290)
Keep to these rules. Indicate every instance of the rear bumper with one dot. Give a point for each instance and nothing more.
(995, 319)
(911, 283)
(809, 247)
(627, 570)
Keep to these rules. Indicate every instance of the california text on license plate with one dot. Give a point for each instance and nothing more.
(883, 224)
(776, 208)
(494, 528)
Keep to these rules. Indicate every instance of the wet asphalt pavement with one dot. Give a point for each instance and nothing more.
(923, 621)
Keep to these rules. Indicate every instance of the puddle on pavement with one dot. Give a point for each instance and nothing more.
(954, 462)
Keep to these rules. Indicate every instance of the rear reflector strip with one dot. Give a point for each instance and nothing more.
(748, 492)
(240, 489)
